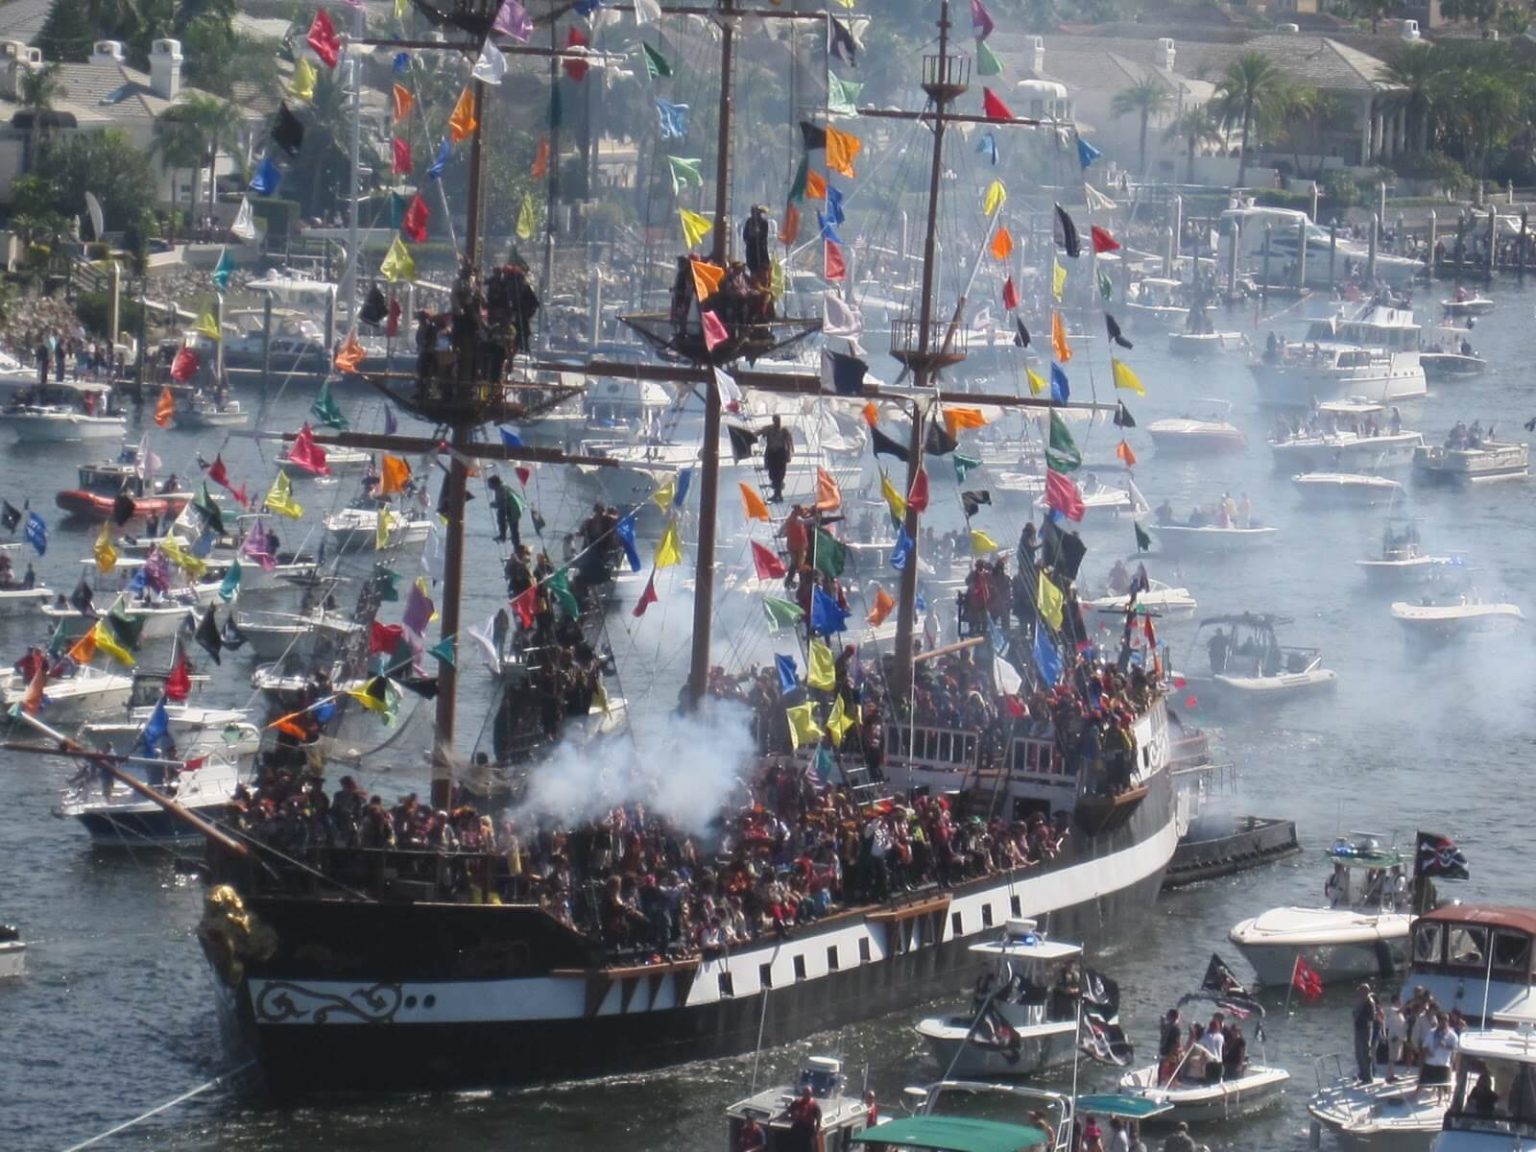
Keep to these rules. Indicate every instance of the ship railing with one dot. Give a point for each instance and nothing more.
(923, 748)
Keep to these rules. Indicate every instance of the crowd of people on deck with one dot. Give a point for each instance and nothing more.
(1225, 513)
(1414, 1034)
(1316, 424)
(488, 321)
(1462, 438)
(1207, 1053)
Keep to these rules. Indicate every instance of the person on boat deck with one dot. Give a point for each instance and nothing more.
(751, 1138)
(29, 579)
(778, 449)
(1217, 648)
(1170, 1038)
(1180, 1140)
(1215, 1045)
(1244, 512)
(1395, 421)
(1093, 1135)
(1482, 1100)
(1440, 1054)
(804, 1122)
(1394, 1032)
(1197, 1058)
(1364, 1019)
(1234, 1054)
(1119, 580)
(1164, 513)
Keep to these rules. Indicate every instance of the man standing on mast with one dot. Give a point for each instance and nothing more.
(778, 447)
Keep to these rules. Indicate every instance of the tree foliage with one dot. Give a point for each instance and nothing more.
(106, 163)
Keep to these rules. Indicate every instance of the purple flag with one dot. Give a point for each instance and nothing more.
(512, 20)
(418, 611)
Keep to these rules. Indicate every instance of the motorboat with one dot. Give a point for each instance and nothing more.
(64, 414)
(356, 529)
(1376, 1116)
(1353, 488)
(1440, 366)
(1101, 499)
(1029, 1005)
(1155, 302)
(1158, 598)
(81, 693)
(337, 459)
(1257, 1087)
(844, 1114)
(197, 731)
(13, 953)
(1464, 304)
(1198, 345)
(1050, 1118)
(1372, 352)
(1248, 663)
(1344, 435)
(98, 506)
(1454, 615)
(204, 411)
(16, 600)
(1402, 560)
(1475, 958)
(1496, 1114)
(276, 635)
(155, 619)
(1362, 930)
(115, 815)
(1471, 459)
(1207, 429)
(1211, 539)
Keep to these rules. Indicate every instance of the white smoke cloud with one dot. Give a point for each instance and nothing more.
(684, 768)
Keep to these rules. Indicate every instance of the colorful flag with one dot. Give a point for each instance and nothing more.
(657, 66)
(1049, 601)
(685, 172)
(104, 641)
(1143, 541)
(996, 196)
(767, 563)
(36, 533)
(323, 39)
(165, 407)
(304, 77)
(1062, 453)
(781, 613)
(802, 724)
(1306, 980)
(401, 98)
(414, 222)
(647, 598)
(696, 226)
(462, 123)
(1124, 378)
(829, 497)
(992, 106)
(1061, 388)
(1125, 455)
(981, 20)
(1002, 244)
(917, 497)
(512, 20)
(753, 505)
(106, 555)
(398, 263)
(842, 149)
(1102, 240)
(1010, 294)
(822, 671)
(280, 498)
(982, 544)
(827, 615)
(894, 500)
(670, 550)
(1062, 495)
(1059, 345)
(1086, 152)
(1436, 855)
(574, 67)
(1058, 279)
(223, 270)
(828, 554)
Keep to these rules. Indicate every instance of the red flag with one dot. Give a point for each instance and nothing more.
(715, 333)
(992, 106)
(184, 366)
(526, 605)
(218, 473)
(193, 764)
(835, 267)
(178, 685)
(392, 325)
(414, 223)
(1010, 295)
(1062, 495)
(32, 701)
(1306, 980)
(524, 474)
(401, 152)
(541, 160)
(323, 39)
(306, 454)
(917, 499)
(575, 69)
(647, 598)
(1127, 457)
(384, 637)
(1102, 240)
(768, 565)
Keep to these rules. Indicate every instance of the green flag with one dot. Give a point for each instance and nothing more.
(443, 650)
(655, 63)
(830, 552)
(964, 465)
(125, 629)
(986, 63)
(59, 642)
(684, 172)
(1061, 453)
(326, 410)
(781, 613)
(841, 95)
(1143, 541)
(560, 587)
(797, 189)
(385, 581)
(1106, 286)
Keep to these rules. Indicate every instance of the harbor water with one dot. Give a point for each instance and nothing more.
(116, 1013)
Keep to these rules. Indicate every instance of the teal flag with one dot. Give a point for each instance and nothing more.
(231, 583)
(326, 409)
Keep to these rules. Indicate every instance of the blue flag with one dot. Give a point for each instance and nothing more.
(673, 118)
(997, 639)
(626, 534)
(827, 616)
(902, 550)
(1047, 660)
(156, 729)
(510, 439)
(36, 533)
(267, 178)
(789, 679)
(203, 545)
(684, 478)
(1086, 152)
(402, 63)
(139, 580)
(1061, 391)
(921, 604)
(324, 712)
(440, 161)
(835, 205)
(828, 232)
(987, 146)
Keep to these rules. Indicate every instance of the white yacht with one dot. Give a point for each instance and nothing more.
(1346, 435)
(1159, 598)
(1208, 428)
(118, 816)
(1371, 352)
(1346, 488)
(844, 1113)
(1155, 302)
(276, 635)
(1478, 958)
(1362, 931)
(1493, 1103)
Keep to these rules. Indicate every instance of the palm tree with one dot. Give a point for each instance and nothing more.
(39, 89)
(1148, 97)
(192, 135)
(1249, 88)
(1415, 70)
(1194, 126)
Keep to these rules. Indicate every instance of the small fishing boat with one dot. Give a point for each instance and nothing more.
(1463, 304)
(1346, 488)
(1377, 1116)
(1199, 345)
(1443, 366)
(204, 411)
(1475, 460)
(13, 953)
(1361, 931)
(844, 1114)
(276, 635)
(16, 600)
(1455, 615)
(356, 529)
(1155, 302)
(1343, 435)
(116, 816)
(1102, 500)
(1402, 561)
(64, 414)
(337, 459)
(82, 692)
(1207, 430)
(1212, 539)
(1249, 665)
(156, 620)
(1158, 598)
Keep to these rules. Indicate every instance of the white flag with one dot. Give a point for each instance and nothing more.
(484, 634)
(93, 207)
(838, 319)
(244, 227)
(149, 464)
(1007, 677)
(491, 66)
(434, 559)
(730, 391)
(647, 12)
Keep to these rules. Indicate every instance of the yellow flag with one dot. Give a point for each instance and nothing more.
(304, 77)
(982, 544)
(1125, 378)
(823, 671)
(1037, 383)
(381, 529)
(1058, 279)
(106, 555)
(802, 724)
(192, 565)
(207, 326)
(401, 8)
(665, 493)
(398, 263)
(755, 506)
(996, 197)
(368, 700)
(280, 498)
(527, 219)
(696, 226)
(776, 282)
(462, 124)
(893, 498)
(106, 642)
(670, 550)
(838, 722)
(1049, 601)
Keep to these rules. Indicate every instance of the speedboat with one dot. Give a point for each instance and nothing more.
(157, 620)
(1402, 561)
(1453, 616)
(1101, 500)
(118, 816)
(13, 953)
(1030, 1003)
(83, 692)
(1154, 301)
(1440, 366)
(204, 411)
(1362, 931)
(1497, 1114)
(1343, 434)
(1162, 599)
(276, 635)
(1050, 1118)
(1204, 534)
(1462, 305)
(1209, 430)
(1336, 488)
(1471, 461)
(64, 413)
(1377, 1116)
(844, 1114)
(197, 731)
(1258, 1086)
(356, 529)
(337, 459)
(1249, 664)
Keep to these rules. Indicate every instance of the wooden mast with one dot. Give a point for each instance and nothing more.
(709, 479)
(942, 86)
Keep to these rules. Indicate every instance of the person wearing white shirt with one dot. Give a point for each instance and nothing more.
(1440, 1054)
(1215, 1042)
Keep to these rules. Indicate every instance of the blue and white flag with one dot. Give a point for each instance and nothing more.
(1047, 659)
(673, 118)
(36, 533)
(987, 146)
(440, 161)
(625, 531)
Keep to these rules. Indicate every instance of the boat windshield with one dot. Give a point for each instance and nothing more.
(1494, 1095)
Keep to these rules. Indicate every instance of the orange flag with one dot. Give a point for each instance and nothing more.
(1002, 244)
(1126, 456)
(393, 474)
(958, 418)
(32, 700)
(165, 408)
(349, 357)
(1059, 343)
(871, 414)
(84, 648)
(541, 160)
(462, 124)
(756, 507)
(706, 279)
(841, 150)
(789, 227)
(402, 100)
(829, 497)
(884, 604)
(815, 185)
